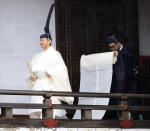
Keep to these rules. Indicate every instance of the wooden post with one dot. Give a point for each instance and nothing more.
(124, 115)
(47, 113)
(86, 114)
(6, 112)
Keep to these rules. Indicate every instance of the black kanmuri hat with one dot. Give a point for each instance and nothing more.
(46, 35)
(114, 35)
(112, 39)
(46, 28)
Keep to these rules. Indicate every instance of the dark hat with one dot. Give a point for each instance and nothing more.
(111, 39)
(115, 35)
(46, 35)
(46, 28)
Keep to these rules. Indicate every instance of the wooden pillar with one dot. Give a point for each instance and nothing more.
(124, 115)
(86, 114)
(47, 113)
(6, 112)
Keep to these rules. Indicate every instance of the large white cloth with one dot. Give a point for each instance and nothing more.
(49, 61)
(96, 76)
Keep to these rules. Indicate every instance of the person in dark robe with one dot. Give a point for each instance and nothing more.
(125, 76)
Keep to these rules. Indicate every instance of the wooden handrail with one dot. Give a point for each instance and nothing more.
(7, 118)
(77, 107)
(73, 94)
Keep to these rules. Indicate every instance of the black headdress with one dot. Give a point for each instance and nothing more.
(111, 36)
(46, 28)
(112, 39)
(114, 36)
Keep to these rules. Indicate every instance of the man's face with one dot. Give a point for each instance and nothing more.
(114, 47)
(44, 42)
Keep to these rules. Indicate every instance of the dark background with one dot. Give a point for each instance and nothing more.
(81, 28)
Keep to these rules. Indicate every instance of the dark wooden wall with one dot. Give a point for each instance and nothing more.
(81, 27)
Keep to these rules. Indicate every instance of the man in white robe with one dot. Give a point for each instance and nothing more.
(49, 73)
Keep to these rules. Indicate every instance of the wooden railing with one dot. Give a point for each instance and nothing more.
(7, 119)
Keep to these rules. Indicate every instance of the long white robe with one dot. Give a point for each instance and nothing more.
(49, 61)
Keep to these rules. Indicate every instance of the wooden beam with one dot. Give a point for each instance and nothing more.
(72, 94)
(18, 116)
(84, 107)
(38, 123)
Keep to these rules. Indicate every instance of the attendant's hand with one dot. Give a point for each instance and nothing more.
(47, 75)
(33, 77)
(135, 72)
(115, 53)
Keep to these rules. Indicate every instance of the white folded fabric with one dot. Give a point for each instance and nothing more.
(96, 76)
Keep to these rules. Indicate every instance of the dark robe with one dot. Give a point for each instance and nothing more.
(124, 80)
(124, 73)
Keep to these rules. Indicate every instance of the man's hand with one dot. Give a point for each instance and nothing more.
(47, 75)
(115, 53)
(136, 72)
(33, 77)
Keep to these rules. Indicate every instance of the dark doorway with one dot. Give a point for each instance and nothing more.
(81, 27)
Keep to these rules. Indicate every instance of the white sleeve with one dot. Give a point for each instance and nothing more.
(30, 83)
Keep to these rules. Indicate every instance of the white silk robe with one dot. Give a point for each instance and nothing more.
(49, 61)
